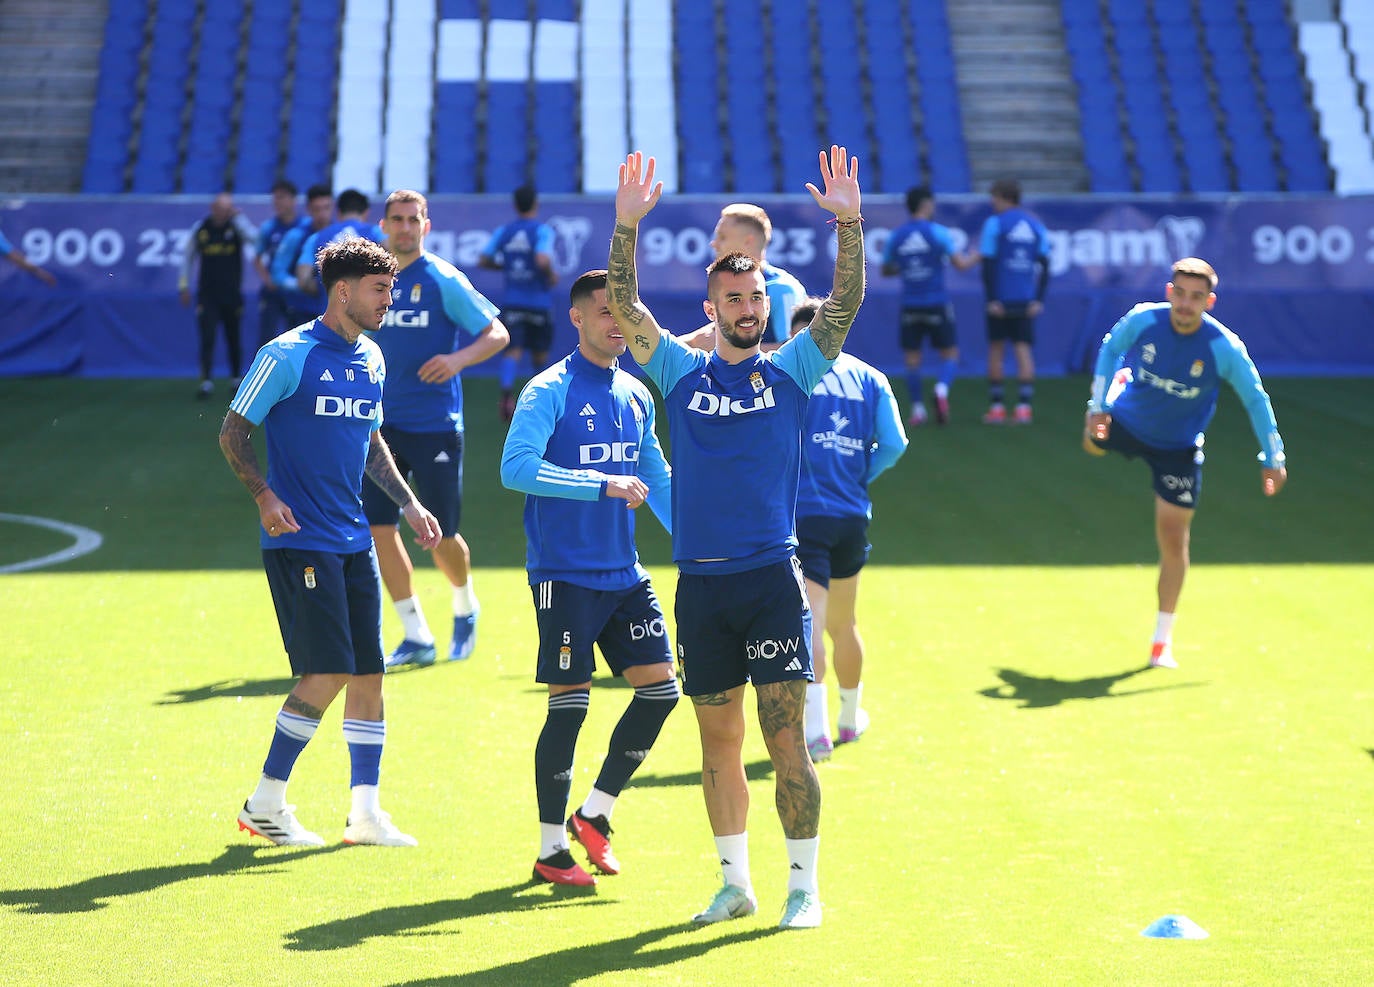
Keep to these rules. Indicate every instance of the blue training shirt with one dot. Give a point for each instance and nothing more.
(736, 435)
(319, 399)
(1014, 241)
(853, 433)
(430, 301)
(6, 247)
(1171, 393)
(576, 424)
(514, 246)
(289, 252)
(272, 233)
(919, 249)
(785, 293)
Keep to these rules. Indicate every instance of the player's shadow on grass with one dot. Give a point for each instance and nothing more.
(345, 933)
(94, 892)
(628, 954)
(1041, 692)
(753, 772)
(246, 688)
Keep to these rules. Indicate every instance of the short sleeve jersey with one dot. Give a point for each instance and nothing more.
(919, 249)
(1014, 241)
(1174, 379)
(736, 439)
(319, 398)
(515, 246)
(853, 432)
(431, 302)
(576, 424)
(785, 293)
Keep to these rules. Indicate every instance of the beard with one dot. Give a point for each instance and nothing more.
(742, 338)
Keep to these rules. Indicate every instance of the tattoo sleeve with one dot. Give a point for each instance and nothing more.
(837, 314)
(622, 294)
(797, 790)
(381, 469)
(711, 699)
(235, 441)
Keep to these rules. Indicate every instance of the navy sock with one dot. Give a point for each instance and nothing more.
(914, 385)
(635, 734)
(1025, 392)
(553, 754)
(996, 393)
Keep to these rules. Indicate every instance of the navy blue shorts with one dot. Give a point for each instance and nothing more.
(743, 626)
(626, 624)
(1016, 326)
(530, 328)
(832, 547)
(936, 321)
(433, 463)
(329, 609)
(1177, 472)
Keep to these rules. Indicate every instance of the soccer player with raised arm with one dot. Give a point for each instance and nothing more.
(582, 447)
(853, 433)
(1154, 391)
(317, 392)
(420, 338)
(735, 417)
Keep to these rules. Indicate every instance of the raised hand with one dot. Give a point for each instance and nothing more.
(840, 175)
(637, 192)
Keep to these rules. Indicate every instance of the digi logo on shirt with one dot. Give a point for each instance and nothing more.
(594, 453)
(717, 405)
(406, 318)
(332, 406)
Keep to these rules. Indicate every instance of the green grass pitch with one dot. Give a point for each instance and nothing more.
(1030, 796)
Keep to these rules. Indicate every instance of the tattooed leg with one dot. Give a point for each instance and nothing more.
(720, 720)
(798, 790)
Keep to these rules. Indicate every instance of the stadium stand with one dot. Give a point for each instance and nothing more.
(1170, 96)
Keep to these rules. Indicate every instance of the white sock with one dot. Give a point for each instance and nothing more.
(413, 620)
(941, 389)
(552, 838)
(1164, 627)
(598, 804)
(734, 860)
(849, 706)
(801, 875)
(270, 795)
(365, 801)
(464, 600)
(817, 712)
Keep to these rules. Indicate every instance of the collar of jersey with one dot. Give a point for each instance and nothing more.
(581, 365)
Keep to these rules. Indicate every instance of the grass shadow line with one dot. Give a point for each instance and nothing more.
(1045, 691)
(566, 967)
(229, 688)
(345, 933)
(94, 892)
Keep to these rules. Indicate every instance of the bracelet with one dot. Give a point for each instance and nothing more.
(836, 221)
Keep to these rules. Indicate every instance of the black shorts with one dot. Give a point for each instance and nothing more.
(743, 626)
(1177, 472)
(935, 322)
(433, 464)
(329, 609)
(530, 328)
(832, 547)
(627, 625)
(1015, 327)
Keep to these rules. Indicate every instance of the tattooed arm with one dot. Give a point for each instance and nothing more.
(236, 442)
(635, 196)
(841, 197)
(381, 470)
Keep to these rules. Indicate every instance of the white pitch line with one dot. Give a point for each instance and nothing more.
(86, 541)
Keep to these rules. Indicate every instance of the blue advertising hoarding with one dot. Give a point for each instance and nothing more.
(1295, 273)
